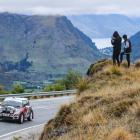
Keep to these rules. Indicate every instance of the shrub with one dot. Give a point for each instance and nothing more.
(2, 91)
(137, 64)
(59, 87)
(17, 138)
(48, 88)
(55, 87)
(82, 85)
(71, 79)
(17, 88)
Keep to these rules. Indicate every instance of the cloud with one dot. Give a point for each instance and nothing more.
(65, 7)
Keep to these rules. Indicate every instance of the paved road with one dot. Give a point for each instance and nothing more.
(44, 110)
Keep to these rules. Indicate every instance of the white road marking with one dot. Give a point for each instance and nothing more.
(11, 133)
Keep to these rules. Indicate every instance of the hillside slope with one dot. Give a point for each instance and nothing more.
(102, 26)
(108, 110)
(43, 45)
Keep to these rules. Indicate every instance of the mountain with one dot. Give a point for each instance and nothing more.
(102, 26)
(135, 39)
(35, 47)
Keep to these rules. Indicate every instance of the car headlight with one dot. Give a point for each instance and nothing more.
(1, 110)
(12, 111)
(17, 111)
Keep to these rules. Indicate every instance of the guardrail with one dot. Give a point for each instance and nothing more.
(46, 94)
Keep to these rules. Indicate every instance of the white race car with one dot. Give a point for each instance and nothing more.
(17, 109)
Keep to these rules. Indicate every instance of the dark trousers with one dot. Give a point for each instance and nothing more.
(116, 55)
(127, 57)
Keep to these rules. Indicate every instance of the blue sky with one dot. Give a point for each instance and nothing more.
(66, 7)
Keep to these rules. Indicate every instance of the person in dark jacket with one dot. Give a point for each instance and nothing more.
(127, 50)
(116, 42)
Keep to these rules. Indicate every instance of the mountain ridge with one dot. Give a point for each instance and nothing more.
(102, 26)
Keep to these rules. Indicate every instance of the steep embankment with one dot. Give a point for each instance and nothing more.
(108, 110)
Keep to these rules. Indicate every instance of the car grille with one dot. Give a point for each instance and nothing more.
(6, 110)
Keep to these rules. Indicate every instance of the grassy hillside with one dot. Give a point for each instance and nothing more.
(108, 108)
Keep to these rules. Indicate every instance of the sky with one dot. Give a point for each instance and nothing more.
(69, 7)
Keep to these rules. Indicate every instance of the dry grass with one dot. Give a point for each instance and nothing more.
(125, 64)
(97, 67)
(82, 85)
(109, 109)
(137, 64)
(115, 70)
(120, 134)
(93, 118)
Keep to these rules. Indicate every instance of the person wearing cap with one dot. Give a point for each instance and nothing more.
(127, 50)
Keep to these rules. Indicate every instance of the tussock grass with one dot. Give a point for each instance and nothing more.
(109, 109)
(94, 118)
(82, 85)
(124, 64)
(137, 64)
(120, 134)
(97, 67)
(115, 70)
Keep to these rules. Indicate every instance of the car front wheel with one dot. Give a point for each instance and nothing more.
(30, 116)
(21, 119)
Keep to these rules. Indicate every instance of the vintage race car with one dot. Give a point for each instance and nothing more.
(17, 109)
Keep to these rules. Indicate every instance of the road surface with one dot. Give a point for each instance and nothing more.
(44, 110)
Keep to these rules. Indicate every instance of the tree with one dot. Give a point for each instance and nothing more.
(71, 79)
(17, 88)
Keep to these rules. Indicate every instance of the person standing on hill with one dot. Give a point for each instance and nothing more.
(127, 50)
(116, 42)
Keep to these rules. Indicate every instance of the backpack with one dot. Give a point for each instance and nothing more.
(130, 46)
(129, 50)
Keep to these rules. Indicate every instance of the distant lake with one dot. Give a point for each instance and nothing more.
(102, 42)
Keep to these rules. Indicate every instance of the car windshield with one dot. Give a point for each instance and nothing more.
(12, 103)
